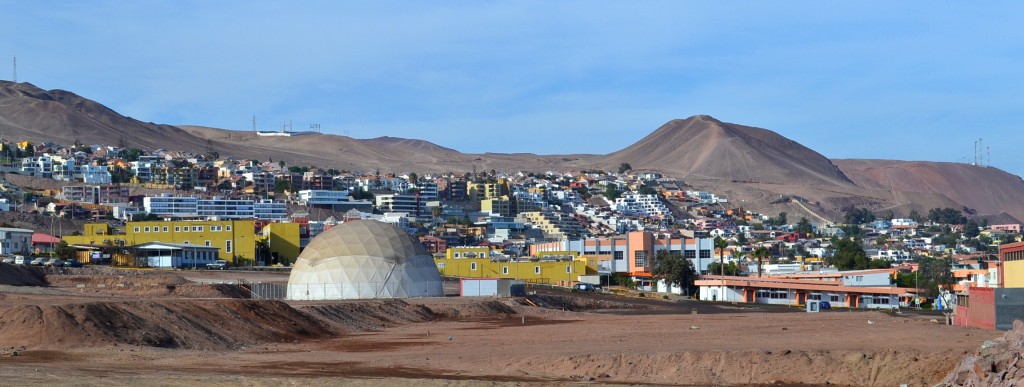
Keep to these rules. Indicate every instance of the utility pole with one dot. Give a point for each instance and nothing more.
(15, 69)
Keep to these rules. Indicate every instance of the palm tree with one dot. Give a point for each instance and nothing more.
(761, 253)
(721, 244)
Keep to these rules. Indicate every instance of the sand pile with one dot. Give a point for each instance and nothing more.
(22, 275)
(189, 324)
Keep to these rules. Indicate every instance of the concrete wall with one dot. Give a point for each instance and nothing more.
(980, 309)
(1009, 306)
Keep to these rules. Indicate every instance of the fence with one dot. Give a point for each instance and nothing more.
(326, 291)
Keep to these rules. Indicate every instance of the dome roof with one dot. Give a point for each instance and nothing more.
(364, 238)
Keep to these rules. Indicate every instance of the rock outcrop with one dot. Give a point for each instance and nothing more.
(997, 363)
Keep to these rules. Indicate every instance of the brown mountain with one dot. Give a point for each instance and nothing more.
(755, 168)
(705, 148)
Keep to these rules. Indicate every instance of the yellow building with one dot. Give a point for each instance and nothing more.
(501, 206)
(283, 247)
(481, 191)
(476, 262)
(235, 239)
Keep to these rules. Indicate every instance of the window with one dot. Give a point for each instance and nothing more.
(207, 243)
(690, 254)
(185, 229)
(227, 246)
(814, 296)
(147, 229)
(833, 298)
(137, 229)
(504, 270)
(228, 228)
(472, 266)
(458, 255)
(705, 253)
(640, 258)
(440, 265)
(568, 268)
(618, 255)
(177, 228)
(536, 270)
(165, 228)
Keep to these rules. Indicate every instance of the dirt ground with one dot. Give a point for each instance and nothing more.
(193, 327)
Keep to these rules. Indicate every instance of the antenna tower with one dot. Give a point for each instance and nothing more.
(15, 69)
(253, 126)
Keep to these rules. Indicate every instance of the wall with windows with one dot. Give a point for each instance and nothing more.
(548, 272)
(233, 238)
(1011, 259)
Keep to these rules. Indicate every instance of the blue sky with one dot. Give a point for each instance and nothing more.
(909, 81)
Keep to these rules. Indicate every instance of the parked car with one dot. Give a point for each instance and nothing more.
(72, 263)
(824, 305)
(219, 264)
(39, 261)
(55, 262)
(585, 287)
(9, 259)
(20, 260)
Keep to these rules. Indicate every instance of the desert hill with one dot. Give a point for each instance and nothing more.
(986, 191)
(30, 113)
(703, 147)
(755, 168)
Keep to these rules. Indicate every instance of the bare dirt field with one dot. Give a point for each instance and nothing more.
(111, 327)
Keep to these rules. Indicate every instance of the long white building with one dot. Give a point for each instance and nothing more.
(176, 206)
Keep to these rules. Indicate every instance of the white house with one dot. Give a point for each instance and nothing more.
(15, 240)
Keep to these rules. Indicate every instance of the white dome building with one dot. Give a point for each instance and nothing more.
(364, 259)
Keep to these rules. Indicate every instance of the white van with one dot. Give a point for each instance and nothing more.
(20, 260)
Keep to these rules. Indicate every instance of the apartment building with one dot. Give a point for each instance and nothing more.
(94, 174)
(554, 225)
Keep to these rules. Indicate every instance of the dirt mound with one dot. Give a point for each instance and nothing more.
(489, 308)
(996, 363)
(368, 315)
(574, 304)
(20, 275)
(856, 368)
(188, 324)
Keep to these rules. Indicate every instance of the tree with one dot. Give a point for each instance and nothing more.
(730, 269)
(915, 216)
(971, 229)
(132, 154)
(612, 193)
(720, 244)
(413, 178)
(64, 251)
(853, 215)
(646, 190)
(624, 167)
(781, 220)
(675, 270)
(760, 254)
(804, 227)
(282, 185)
(848, 255)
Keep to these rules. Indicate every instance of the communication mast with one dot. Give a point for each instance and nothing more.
(15, 69)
